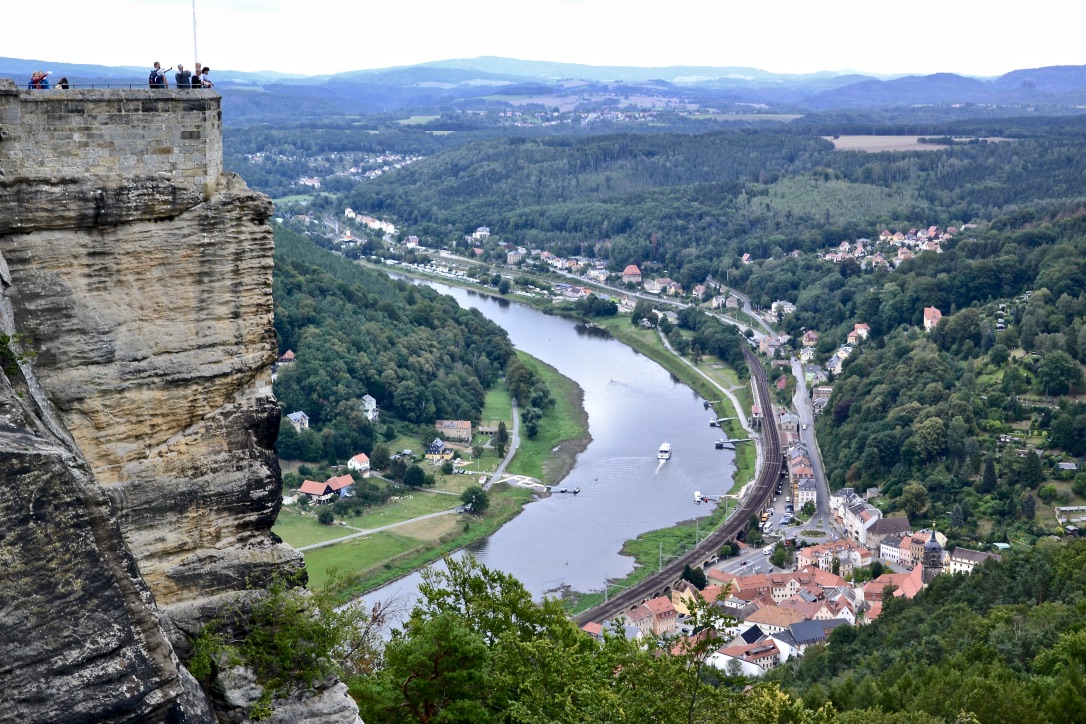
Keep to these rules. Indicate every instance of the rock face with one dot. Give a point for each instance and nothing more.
(137, 434)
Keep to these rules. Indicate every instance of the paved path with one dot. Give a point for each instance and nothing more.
(361, 533)
(514, 443)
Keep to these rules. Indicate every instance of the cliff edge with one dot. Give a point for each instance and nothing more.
(137, 422)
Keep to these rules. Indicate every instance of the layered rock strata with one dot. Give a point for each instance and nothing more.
(137, 433)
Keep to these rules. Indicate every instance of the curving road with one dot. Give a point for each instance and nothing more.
(757, 496)
(514, 443)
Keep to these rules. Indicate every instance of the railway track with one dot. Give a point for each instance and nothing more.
(755, 500)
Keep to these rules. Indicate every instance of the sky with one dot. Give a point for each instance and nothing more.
(314, 37)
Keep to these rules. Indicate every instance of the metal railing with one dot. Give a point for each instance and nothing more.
(107, 86)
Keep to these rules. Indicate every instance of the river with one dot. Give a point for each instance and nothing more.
(633, 406)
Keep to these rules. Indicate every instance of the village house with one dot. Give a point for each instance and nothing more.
(964, 560)
(847, 553)
(481, 233)
(438, 452)
(288, 358)
(514, 257)
(782, 309)
(640, 618)
(810, 338)
(317, 492)
(806, 492)
(890, 549)
(664, 616)
(610, 628)
(369, 408)
(859, 333)
(299, 420)
(773, 619)
(746, 259)
(598, 274)
(458, 430)
(931, 318)
(883, 528)
(809, 633)
(328, 491)
(762, 654)
(360, 462)
(631, 274)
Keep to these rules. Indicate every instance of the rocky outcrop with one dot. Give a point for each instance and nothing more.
(79, 634)
(153, 341)
(137, 433)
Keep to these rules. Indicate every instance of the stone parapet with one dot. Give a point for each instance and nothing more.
(173, 135)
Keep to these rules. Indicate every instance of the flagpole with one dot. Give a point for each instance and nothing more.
(195, 51)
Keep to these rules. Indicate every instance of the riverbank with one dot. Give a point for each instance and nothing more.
(368, 562)
(647, 342)
(647, 550)
(646, 547)
(563, 431)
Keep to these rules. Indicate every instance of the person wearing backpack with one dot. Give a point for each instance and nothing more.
(182, 78)
(157, 78)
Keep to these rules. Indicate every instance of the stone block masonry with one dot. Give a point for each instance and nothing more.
(173, 135)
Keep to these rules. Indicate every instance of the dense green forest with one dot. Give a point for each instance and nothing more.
(1006, 643)
(357, 332)
(677, 199)
(922, 414)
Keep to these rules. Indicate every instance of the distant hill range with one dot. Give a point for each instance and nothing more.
(494, 83)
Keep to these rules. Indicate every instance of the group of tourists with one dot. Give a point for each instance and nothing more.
(182, 78)
(39, 80)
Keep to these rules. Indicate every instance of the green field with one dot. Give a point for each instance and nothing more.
(498, 406)
(370, 562)
(299, 529)
(295, 199)
(564, 426)
(417, 120)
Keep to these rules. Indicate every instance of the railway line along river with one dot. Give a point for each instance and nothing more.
(633, 406)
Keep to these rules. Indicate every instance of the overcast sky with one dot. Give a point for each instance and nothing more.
(788, 36)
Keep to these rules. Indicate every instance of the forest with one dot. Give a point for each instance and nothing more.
(357, 332)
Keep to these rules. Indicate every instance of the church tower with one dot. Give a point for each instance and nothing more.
(932, 560)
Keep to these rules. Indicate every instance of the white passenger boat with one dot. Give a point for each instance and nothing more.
(665, 452)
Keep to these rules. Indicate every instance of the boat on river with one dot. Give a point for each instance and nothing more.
(665, 451)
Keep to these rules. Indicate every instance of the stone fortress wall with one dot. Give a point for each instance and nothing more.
(172, 134)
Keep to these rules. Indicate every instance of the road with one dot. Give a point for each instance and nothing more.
(514, 443)
(805, 411)
(361, 533)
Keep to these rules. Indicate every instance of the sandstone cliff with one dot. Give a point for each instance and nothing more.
(137, 434)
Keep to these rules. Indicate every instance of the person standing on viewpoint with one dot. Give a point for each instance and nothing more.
(205, 82)
(157, 78)
(196, 76)
(182, 78)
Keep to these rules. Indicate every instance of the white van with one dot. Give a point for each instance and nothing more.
(768, 550)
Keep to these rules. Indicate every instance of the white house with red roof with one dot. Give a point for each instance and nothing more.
(360, 462)
(631, 274)
(931, 318)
